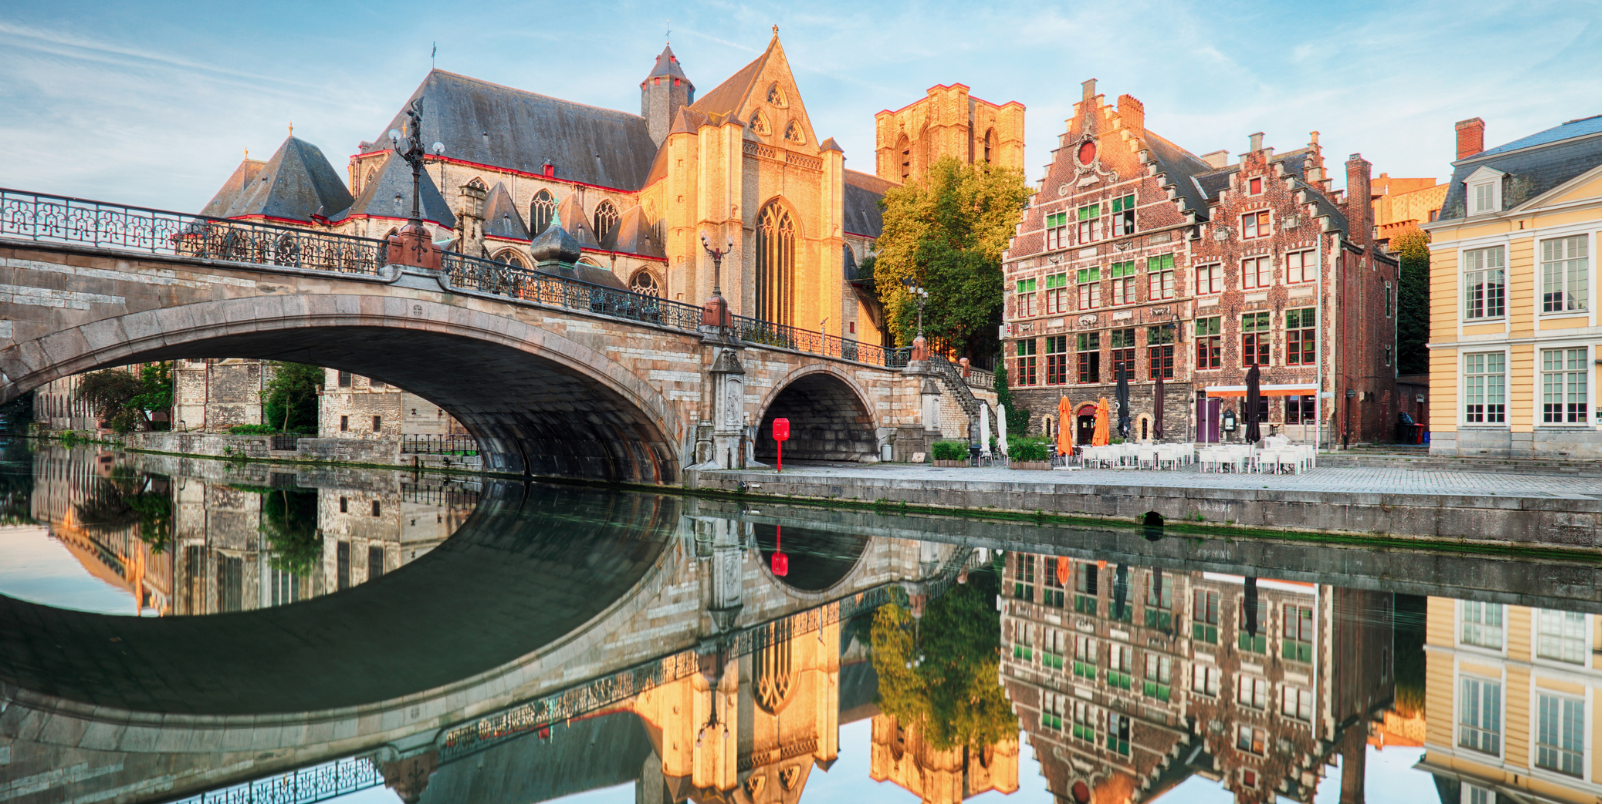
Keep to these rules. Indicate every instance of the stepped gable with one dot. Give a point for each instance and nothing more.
(242, 176)
(860, 203)
(1182, 168)
(297, 183)
(501, 216)
(389, 195)
(1532, 165)
(489, 124)
(1214, 181)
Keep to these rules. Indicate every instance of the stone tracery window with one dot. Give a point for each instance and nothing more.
(793, 132)
(759, 124)
(541, 210)
(509, 257)
(990, 140)
(772, 666)
(776, 96)
(642, 282)
(605, 221)
(776, 264)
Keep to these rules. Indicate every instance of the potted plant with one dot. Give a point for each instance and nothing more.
(1028, 453)
(950, 453)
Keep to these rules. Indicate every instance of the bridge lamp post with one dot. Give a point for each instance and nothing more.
(920, 295)
(716, 312)
(409, 147)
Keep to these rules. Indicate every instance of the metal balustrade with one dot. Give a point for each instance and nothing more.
(428, 444)
(768, 333)
(304, 786)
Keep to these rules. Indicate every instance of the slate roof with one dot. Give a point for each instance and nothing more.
(1181, 166)
(635, 234)
(241, 177)
(668, 65)
(490, 124)
(726, 98)
(293, 185)
(501, 215)
(394, 181)
(1533, 164)
(860, 203)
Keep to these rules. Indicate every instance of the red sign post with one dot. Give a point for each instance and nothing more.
(780, 562)
(782, 434)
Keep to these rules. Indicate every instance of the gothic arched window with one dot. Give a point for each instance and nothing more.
(605, 221)
(991, 139)
(793, 132)
(776, 264)
(903, 153)
(776, 96)
(643, 282)
(509, 257)
(759, 124)
(540, 211)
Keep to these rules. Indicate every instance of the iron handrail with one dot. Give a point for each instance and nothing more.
(783, 336)
(501, 279)
(63, 219)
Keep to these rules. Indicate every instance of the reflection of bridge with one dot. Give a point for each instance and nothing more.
(553, 376)
(584, 583)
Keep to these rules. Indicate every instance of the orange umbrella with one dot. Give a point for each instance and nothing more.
(1100, 432)
(1066, 443)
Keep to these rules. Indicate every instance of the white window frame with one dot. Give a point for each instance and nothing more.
(1589, 263)
(1464, 268)
(1467, 794)
(1484, 177)
(1464, 393)
(1309, 262)
(1589, 418)
(1535, 726)
(1503, 713)
(1588, 624)
(1459, 630)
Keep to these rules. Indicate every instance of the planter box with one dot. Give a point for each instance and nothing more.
(951, 464)
(1043, 465)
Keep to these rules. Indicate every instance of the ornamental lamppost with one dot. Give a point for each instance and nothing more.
(715, 312)
(920, 295)
(409, 147)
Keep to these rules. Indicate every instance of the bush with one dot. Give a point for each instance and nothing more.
(252, 429)
(1028, 449)
(949, 450)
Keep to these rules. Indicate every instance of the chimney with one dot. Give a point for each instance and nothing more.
(1361, 216)
(1468, 134)
(1130, 112)
(1216, 159)
(1256, 141)
(1088, 89)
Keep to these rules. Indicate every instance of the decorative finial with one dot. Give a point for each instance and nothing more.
(247, 154)
(776, 30)
(292, 128)
(668, 30)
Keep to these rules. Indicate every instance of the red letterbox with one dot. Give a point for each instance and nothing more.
(782, 434)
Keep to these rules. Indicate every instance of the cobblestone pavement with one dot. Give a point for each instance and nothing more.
(1341, 479)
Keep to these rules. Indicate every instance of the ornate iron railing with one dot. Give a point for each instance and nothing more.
(448, 496)
(59, 219)
(782, 336)
(303, 786)
(427, 444)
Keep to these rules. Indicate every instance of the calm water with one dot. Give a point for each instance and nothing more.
(172, 628)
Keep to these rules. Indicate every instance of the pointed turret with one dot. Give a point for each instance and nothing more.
(298, 184)
(664, 91)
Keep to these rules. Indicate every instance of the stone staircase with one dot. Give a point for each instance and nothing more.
(1394, 456)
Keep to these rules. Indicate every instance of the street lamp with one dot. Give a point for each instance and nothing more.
(715, 313)
(409, 147)
(919, 295)
(718, 257)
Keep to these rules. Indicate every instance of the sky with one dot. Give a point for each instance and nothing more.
(152, 104)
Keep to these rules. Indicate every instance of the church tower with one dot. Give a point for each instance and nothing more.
(664, 91)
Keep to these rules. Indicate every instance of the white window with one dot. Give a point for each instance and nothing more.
(1251, 691)
(1206, 680)
(1562, 636)
(1297, 703)
(1484, 191)
(1480, 709)
(1484, 283)
(1564, 386)
(1476, 795)
(1251, 739)
(1301, 267)
(1483, 198)
(1209, 279)
(1481, 624)
(1559, 734)
(1484, 388)
(1564, 274)
(1256, 273)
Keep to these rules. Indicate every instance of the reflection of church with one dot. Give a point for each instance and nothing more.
(1129, 680)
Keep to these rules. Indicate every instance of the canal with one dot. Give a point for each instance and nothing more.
(177, 629)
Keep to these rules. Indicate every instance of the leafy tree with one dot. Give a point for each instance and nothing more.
(122, 399)
(155, 390)
(946, 232)
(942, 672)
(1414, 300)
(129, 498)
(16, 415)
(289, 520)
(291, 402)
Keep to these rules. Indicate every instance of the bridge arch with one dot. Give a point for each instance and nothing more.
(539, 403)
(831, 416)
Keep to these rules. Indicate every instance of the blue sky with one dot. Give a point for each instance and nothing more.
(150, 104)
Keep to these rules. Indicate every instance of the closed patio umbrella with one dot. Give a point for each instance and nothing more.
(1066, 427)
(1100, 430)
(985, 430)
(1251, 415)
(1002, 428)
(1158, 407)
(1122, 396)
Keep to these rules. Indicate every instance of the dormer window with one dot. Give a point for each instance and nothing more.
(1484, 192)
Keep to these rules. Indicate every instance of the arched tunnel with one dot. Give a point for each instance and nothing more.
(531, 414)
(829, 422)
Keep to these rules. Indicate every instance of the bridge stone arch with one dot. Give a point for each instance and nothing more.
(831, 415)
(540, 403)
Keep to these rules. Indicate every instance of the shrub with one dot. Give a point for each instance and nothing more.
(252, 429)
(1028, 449)
(949, 450)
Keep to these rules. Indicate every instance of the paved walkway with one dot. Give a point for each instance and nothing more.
(1338, 479)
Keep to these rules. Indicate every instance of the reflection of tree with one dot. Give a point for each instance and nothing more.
(942, 671)
(1409, 652)
(16, 482)
(126, 499)
(289, 521)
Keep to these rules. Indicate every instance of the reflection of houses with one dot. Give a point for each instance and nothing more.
(1131, 679)
(1512, 703)
(369, 532)
(354, 406)
(900, 754)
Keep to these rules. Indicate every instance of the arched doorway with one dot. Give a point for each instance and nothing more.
(828, 422)
(1085, 423)
(776, 264)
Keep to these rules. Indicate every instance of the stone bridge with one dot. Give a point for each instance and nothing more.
(555, 377)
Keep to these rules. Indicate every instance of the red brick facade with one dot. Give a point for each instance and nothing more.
(1137, 254)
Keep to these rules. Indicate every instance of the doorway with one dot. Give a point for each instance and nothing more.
(1208, 419)
(1085, 424)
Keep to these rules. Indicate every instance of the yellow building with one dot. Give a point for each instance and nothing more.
(1515, 297)
(900, 754)
(1401, 203)
(1512, 703)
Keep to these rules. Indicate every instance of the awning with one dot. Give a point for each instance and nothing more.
(1296, 389)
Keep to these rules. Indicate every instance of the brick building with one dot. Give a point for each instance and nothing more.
(1136, 255)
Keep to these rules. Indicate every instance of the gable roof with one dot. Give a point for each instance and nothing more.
(231, 189)
(293, 185)
(727, 98)
(668, 66)
(501, 215)
(860, 203)
(389, 195)
(1532, 165)
(1181, 167)
(490, 124)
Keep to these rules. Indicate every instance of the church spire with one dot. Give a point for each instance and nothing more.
(665, 90)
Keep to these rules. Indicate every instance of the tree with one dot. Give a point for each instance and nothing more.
(946, 232)
(291, 401)
(123, 400)
(289, 521)
(1414, 300)
(16, 415)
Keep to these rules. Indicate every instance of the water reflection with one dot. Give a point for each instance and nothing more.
(510, 643)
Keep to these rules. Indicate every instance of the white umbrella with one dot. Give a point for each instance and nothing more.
(1002, 428)
(985, 430)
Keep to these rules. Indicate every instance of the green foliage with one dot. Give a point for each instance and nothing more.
(941, 672)
(946, 232)
(289, 521)
(252, 429)
(16, 415)
(129, 498)
(1414, 300)
(290, 404)
(122, 400)
(1025, 448)
(949, 450)
(71, 439)
(1018, 416)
